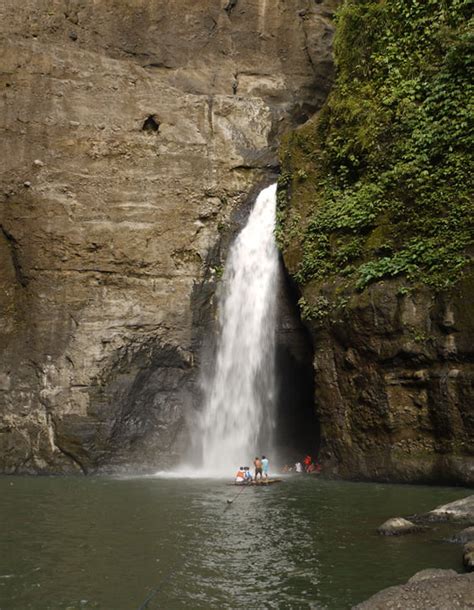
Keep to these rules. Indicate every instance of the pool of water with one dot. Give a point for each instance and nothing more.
(108, 543)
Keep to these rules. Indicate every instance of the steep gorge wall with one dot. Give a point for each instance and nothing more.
(109, 240)
(376, 215)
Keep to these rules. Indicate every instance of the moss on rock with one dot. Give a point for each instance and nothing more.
(378, 184)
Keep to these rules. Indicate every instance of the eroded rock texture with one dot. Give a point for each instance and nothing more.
(428, 589)
(132, 132)
(394, 382)
(392, 326)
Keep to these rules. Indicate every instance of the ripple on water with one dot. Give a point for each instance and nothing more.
(305, 544)
(256, 549)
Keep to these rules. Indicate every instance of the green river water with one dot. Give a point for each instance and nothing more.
(80, 543)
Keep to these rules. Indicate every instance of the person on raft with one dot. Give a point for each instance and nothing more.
(258, 468)
(247, 475)
(265, 466)
(240, 476)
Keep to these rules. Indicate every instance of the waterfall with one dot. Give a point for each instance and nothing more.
(237, 420)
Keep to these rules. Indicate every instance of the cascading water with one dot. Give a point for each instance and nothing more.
(238, 416)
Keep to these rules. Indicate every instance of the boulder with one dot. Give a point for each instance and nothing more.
(460, 510)
(465, 535)
(468, 556)
(431, 573)
(441, 591)
(397, 526)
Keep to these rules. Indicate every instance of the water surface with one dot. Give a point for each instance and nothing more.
(79, 543)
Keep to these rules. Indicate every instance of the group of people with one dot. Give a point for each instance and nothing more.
(261, 470)
(244, 475)
(309, 465)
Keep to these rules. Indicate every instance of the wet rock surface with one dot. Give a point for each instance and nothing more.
(432, 573)
(465, 535)
(394, 382)
(134, 136)
(468, 557)
(397, 527)
(460, 510)
(441, 590)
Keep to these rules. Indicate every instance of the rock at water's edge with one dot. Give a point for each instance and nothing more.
(442, 592)
(460, 510)
(468, 556)
(432, 573)
(465, 535)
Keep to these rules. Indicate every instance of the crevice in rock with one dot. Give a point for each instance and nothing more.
(210, 110)
(229, 7)
(13, 245)
(158, 64)
(73, 458)
(302, 15)
(151, 124)
(235, 84)
(57, 445)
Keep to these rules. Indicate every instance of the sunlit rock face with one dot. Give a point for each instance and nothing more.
(133, 135)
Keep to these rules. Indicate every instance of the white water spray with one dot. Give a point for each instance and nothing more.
(238, 416)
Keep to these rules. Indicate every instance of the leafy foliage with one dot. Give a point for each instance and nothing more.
(383, 176)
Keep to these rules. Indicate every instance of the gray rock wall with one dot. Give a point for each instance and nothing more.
(394, 384)
(109, 239)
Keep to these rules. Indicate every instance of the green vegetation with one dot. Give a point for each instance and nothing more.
(318, 311)
(321, 308)
(380, 182)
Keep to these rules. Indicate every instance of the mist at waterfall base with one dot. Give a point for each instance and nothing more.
(238, 415)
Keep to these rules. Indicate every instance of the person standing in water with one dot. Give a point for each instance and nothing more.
(258, 467)
(265, 466)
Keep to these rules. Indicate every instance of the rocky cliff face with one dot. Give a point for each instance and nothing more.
(376, 228)
(132, 135)
(394, 383)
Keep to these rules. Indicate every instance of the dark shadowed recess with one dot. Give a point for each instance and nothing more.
(297, 424)
(136, 412)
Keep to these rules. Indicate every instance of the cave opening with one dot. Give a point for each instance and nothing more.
(151, 124)
(297, 430)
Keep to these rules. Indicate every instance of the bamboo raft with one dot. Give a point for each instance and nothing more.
(257, 483)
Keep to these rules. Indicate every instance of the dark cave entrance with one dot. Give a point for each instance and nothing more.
(297, 426)
(151, 124)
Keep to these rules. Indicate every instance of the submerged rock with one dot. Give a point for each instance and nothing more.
(443, 590)
(397, 526)
(465, 535)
